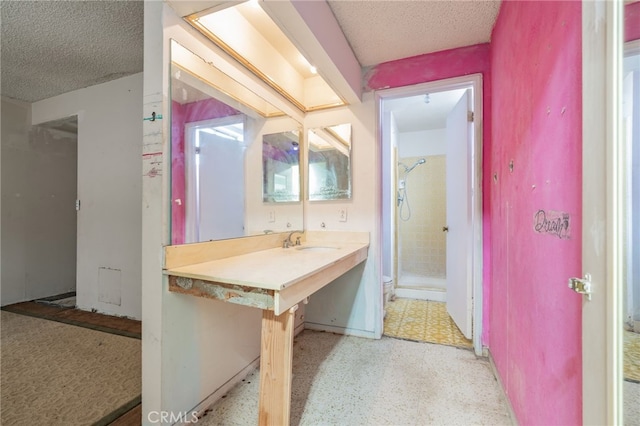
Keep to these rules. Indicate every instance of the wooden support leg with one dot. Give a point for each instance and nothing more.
(276, 358)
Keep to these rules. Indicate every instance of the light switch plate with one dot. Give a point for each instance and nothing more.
(271, 216)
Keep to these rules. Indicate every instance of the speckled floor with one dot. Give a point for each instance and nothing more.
(423, 321)
(631, 392)
(340, 380)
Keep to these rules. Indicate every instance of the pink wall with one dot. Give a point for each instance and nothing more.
(181, 115)
(535, 336)
(632, 21)
(532, 107)
(429, 67)
(437, 66)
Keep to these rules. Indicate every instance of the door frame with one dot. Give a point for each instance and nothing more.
(473, 81)
(602, 210)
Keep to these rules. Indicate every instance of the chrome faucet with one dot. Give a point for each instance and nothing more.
(288, 242)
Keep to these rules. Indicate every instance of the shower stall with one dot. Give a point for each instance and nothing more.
(421, 228)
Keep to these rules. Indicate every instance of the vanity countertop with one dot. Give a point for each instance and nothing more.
(253, 272)
(271, 269)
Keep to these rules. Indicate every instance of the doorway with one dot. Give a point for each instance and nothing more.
(53, 218)
(431, 202)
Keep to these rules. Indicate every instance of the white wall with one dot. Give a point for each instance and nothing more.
(16, 120)
(109, 189)
(352, 303)
(388, 146)
(38, 215)
(423, 143)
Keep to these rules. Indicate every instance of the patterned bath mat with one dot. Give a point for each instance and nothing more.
(632, 356)
(423, 321)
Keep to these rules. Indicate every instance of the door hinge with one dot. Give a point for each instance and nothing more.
(78, 205)
(581, 285)
(470, 116)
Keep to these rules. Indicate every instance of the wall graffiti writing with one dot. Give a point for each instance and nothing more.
(553, 223)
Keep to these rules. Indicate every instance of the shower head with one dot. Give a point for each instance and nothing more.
(417, 163)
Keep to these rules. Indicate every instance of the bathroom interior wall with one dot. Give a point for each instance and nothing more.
(423, 247)
(422, 143)
(109, 220)
(536, 163)
(38, 215)
(352, 303)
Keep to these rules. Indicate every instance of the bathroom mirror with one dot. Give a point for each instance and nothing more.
(218, 131)
(329, 154)
(281, 167)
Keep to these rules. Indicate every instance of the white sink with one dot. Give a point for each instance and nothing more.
(316, 248)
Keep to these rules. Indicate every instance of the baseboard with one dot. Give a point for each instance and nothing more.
(421, 294)
(221, 391)
(494, 370)
(340, 330)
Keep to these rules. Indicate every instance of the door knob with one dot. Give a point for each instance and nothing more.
(445, 229)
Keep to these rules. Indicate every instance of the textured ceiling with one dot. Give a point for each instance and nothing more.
(53, 47)
(381, 31)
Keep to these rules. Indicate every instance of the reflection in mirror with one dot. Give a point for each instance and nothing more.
(281, 166)
(329, 154)
(216, 155)
(631, 276)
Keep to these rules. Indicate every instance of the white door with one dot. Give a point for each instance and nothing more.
(220, 187)
(459, 216)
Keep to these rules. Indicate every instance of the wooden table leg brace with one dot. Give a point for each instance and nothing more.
(276, 359)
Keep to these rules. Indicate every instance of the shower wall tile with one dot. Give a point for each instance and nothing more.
(422, 243)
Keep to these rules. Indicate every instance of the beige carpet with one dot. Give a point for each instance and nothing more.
(59, 374)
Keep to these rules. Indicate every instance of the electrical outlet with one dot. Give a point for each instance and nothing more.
(271, 216)
(342, 215)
